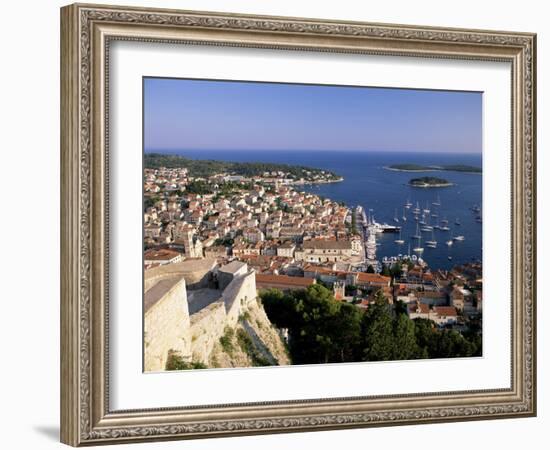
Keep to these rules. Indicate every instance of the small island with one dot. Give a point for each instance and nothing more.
(427, 182)
(433, 168)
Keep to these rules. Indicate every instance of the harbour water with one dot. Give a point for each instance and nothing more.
(383, 193)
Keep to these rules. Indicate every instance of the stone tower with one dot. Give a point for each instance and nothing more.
(339, 288)
(185, 235)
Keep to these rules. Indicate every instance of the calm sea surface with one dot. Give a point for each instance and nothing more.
(368, 184)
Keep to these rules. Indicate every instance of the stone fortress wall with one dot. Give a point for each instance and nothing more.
(166, 322)
(207, 327)
(196, 272)
(188, 305)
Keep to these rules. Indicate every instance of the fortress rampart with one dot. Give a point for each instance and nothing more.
(166, 322)
(188, 305)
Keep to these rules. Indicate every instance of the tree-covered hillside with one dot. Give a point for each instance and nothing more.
(206, 168)
(323, 330)
(422, 168)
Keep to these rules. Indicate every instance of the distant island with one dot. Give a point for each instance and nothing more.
(426, 182)
(434, 168)
(202, 168)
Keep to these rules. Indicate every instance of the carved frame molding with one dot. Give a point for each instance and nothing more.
(86, 31)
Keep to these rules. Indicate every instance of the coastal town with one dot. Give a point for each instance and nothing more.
(292, 240)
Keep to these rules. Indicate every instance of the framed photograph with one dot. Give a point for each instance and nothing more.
(275, 224)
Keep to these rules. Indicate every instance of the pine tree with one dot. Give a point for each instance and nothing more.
(378, 331)
(405, 346)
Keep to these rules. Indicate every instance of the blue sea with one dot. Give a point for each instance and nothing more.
(369, 184)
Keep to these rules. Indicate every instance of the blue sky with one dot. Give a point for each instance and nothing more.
(181, 114)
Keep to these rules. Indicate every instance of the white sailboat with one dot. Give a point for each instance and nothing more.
(419, 248)
(404, 217)
(427, 208)
(438, 202)
(417, 209)
(395, 219)
(432, 243)
(427, 227)
(408, 203)
(399, 241)
(417, 235)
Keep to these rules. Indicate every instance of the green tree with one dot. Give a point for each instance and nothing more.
(386, 271)
(426, 336)
(400, 307)
(321, 329)
(280, 308)
(378, 331)
(199, 187)
(315, 341)
(347, 333)
(452, 344)
(405, 346)
(396, 270)
(370, 269)
(149, 202)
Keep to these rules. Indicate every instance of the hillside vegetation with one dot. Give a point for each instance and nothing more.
(429, 181)
(323, 330)
(253, 342)
(206, 168)
(433, 168)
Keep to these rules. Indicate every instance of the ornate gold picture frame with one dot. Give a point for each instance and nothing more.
(87, 31)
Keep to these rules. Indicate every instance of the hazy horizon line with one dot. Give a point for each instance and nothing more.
(174, 150)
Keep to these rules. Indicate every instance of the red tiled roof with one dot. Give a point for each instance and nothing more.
(284, 280)
(160, 255)
(445, 310)
(424, 308)
(372, 278)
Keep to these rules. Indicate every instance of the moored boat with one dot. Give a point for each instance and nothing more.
(431, 243)
(399, 241)
(419, 248)
(417, 235)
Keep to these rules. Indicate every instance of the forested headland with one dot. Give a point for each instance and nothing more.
(206, 168)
